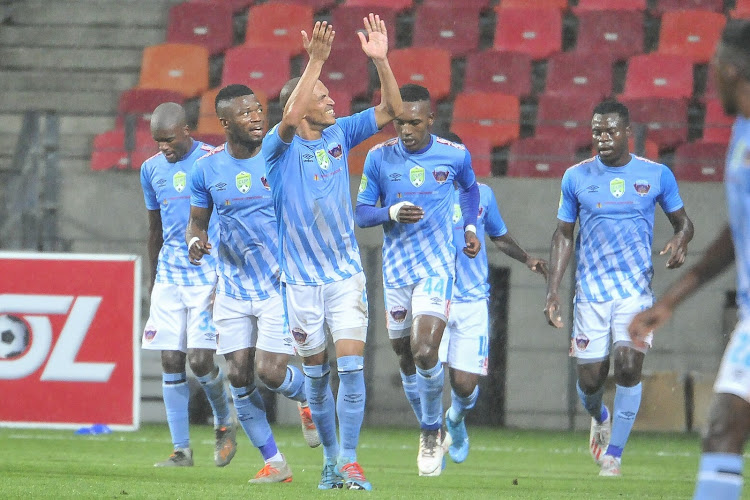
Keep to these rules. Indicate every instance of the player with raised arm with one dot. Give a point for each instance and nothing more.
(324, 286)
(412, 178)
(614, 196)
(179, 323)
(721, 464)
(465, 343)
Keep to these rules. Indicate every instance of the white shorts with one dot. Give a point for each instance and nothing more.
(430, 296)
(339, 308)
(594, 322)
(180, 318)
(241, 324)
(465, 342)
(734, 372)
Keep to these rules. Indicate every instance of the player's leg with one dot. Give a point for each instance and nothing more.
(165, 331)
(721, 464)
(398, 321)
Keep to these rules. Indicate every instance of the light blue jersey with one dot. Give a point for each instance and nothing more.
(166, 187)
(737, 185)
(310, 187)
(471, 274)
(412, 252)
(615, 207)
(248, 246)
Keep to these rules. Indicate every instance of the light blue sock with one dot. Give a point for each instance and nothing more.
(593, 403)
(460, 406)
(217, 397)
(293, 386)
(412, 394)
(350, 404)
(430, 386)
(176, 394)
(719, 476)
(624, 411)
(322, 407)
(251, 412)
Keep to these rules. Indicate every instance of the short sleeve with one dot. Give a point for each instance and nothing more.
(273, 149)
(199, 195)
(149, 195)
(369, 188)
(494, 224)
(465, 173)
(669, 198)
(567, 210)
(358, 127)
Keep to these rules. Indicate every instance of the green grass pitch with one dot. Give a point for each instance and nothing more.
(503, 464)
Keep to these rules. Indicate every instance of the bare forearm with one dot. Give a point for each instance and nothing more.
(510, 247)
(390, 102)
(560, 252)
(302, 95)
(155, 242)
(196, 229)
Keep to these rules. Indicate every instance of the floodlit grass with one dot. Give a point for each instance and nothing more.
(502, 464)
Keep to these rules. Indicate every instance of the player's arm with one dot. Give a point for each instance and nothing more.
(375, 45)
(561, 249)
(196, 235)
(683, 233)
(510, 247)
(717, 258)
(468, 199)
(318, 49)
(155, 242)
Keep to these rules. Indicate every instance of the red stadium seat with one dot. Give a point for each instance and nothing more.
(665, 119)
(454, 28)
(566, 116)
(659, 75)
(692, 33)
(711, 91)
(616, 33)
(537, 32)
(278, 24)
(699, 161)
(571, 73)
(430, 68)
(236, 5)
(208, 122)
(495, 117)
(496, 71)
(347, 20)
(717, 126)
(664, 6)
(142, 102)
(315, 5)
(145, 148)
(587, 5)
(175, 66)
(397, 5)
(481, 155)
(741, 10)
(347, 69)
(201, 23)
(534, 4)
(536, 157)
(108, 151)
(481, 4)
(264, 69)
(357, 155)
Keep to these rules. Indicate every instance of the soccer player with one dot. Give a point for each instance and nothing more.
(465, 343)
(720, 470)
(248, 309)
(180, 315)
(306, 163)
(614, 197)
(412, 177)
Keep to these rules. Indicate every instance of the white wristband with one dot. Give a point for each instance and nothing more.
(393, 211)
(471, 227)
(192, 242)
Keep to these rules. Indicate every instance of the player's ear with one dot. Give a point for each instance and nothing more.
(628, 130)
(431, 119)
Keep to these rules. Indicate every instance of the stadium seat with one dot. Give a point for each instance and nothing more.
(537, 157)
(108, 151)
(534, 4)
(711, 91)
(397, 5)
(453, 28)
(659, 75)
(141, 103)
(565, 116)
(201, 23)
(570, 73)
(587, 5)
(664, 6)
(315, 5)
(236, 5)
(210, 139)
(537, 32)
(145, 148)
(347, 20)
(208, 122)
(498, 71)
(278, 24)
(428, 67)
(358, 153)
(741, 10)
(347, 69)
(665, 119)
(495, 117)
(175, 66)
(617, 33)
(717, 126)
(699, 161)
(481, 4)
(692, 33)
(264, 69)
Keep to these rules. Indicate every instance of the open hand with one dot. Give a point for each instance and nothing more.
(319, 46)
(375, 43)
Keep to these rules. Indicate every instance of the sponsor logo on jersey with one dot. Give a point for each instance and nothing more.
(592, 189)
(222, 186)
(456, 213)
(617, 187)
(308, 158)
(363, 184)
(243, 181)
(321, 156)
(416, 176)
(161, 182)
(179, 181)
(395, 176)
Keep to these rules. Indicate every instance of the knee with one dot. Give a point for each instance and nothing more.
(271, 372)
(589, 382)
(463, 384)
(238, 377)
(172, 361)
(628, 374)
(201, 361)
(425, 355)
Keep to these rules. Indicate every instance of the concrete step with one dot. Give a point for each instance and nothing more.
(10, 123)
(92, 13)
(68, 80)
(80, 36)
(66, 58)
(72, 102)
(71, 145)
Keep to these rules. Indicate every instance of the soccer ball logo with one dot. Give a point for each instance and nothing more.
(14, 336)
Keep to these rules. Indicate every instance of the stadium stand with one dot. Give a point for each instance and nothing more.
(175, 66)
(741, 10)
(665, 119)
(537, 32)
(700, 162)
(108, 151)
(454, 28)
(540, 157)
(141, 102)
(566, 116)
(201, 23)
(347, 20)
(428, 67)
(398, 5)
(616, 33)
(278, 24)
(659, 75)
(347, 69)
(358, 153)
(498, 71)
(571, 73)
(692, 33)
(717, 126)
(664, 6)
(534, 4)
(266, 69)
(621, 5)
(236, 5)
(492, 116)
(481, 155)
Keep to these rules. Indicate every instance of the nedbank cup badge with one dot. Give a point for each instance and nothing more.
(416, 176)
(243, 181)
(456, 213)
(617, 187)
(179, 181)
(322, 157)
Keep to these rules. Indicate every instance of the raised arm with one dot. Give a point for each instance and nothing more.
(318, 48)
(375, 45)
(510, 247)
(683, 233)
(560, 251)
(155, 242)
(196, 235)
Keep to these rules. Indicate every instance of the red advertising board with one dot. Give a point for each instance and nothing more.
(69, 353)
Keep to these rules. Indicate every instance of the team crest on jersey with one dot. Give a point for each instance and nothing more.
(617, 187)
(440, 175)
(582, 342)
(179, 181)
(642, 187)
(398, 314)
(265, 183)
(244, 181)
(149, 333)
(416, 176)
(336, 151)
(456, 213)
(300, 336)
(363, 184)
(322, 158)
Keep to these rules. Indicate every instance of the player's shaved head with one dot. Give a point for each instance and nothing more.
(286, 91)
(167, 116)
(226, 94)
(170, 131)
